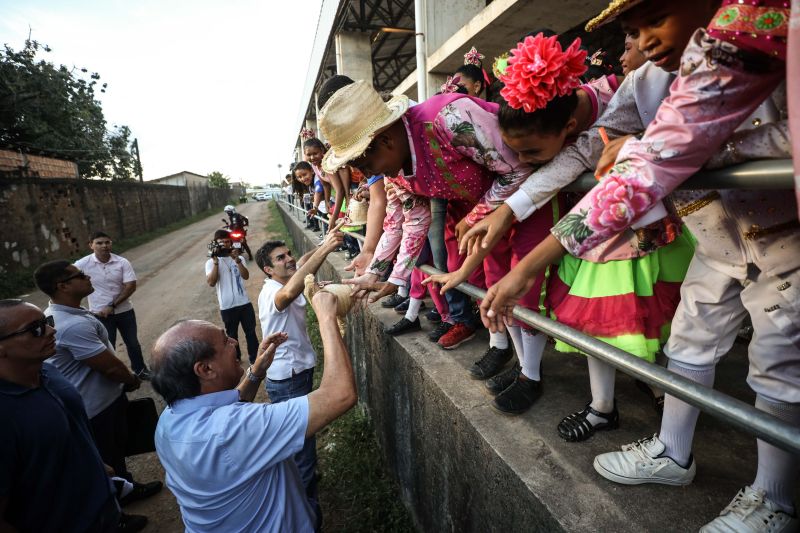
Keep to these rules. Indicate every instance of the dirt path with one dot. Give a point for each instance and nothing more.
(172, 285)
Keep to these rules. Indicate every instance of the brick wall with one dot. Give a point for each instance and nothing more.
(46, 219)
(18, 164)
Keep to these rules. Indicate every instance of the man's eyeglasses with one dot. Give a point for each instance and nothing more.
(37, 328)
(79, 274)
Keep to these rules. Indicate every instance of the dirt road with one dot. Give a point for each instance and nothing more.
(172, 285)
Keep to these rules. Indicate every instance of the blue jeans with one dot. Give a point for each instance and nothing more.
(458, 303)
(126, 324)
(306, 459)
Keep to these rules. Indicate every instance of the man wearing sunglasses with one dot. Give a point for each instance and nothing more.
(114, 282)
(86, 359)
(49, 465)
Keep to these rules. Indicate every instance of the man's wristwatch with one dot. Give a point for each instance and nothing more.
(252, 377)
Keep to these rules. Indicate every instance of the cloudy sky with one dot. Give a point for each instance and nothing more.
(204, 84)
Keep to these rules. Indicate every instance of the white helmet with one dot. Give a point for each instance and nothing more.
(229, 208)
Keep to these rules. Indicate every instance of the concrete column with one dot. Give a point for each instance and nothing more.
(354, 55)
(443, 19)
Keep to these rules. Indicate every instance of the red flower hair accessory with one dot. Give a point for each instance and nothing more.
(473, 57)
(539, 70)
(451, 85)
(307, 134)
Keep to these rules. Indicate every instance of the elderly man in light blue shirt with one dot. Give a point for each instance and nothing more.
(228, 461)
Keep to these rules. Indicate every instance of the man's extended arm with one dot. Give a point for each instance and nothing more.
(296, 284)
(337, 390)
(113, 368)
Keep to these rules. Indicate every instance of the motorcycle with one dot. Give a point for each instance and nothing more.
(239, 235)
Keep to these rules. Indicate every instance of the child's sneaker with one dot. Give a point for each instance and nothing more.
(751, 511)
(458, 335)
(641, 462)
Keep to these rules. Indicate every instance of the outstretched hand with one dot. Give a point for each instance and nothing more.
(447, 281)
(362, 285)
(266, 351)
(360, 264)
(487, 231)
(498, 307)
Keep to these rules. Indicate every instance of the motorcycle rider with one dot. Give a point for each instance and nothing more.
(238, 223)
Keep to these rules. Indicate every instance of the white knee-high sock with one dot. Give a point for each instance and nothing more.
(403, 291)
(680, 418)
(413, 309)
(515, 332)
(601, 381)
(778, 469)
(661, 360)
(533, 344)
(499, 340)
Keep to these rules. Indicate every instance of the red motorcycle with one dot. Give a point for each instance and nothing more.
(239, 236)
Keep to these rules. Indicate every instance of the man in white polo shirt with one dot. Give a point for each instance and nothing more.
(114, 282)
(282, 307)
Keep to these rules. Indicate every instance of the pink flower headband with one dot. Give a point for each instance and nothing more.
(539, 70)
(473, 57)
(307, 134)
(451, 85)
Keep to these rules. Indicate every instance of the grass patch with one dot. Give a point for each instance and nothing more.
(356, 493)
(13, 284)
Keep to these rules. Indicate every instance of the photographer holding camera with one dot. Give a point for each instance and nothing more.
(227, 270)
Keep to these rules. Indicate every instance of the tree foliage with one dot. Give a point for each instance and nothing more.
(55, 109)
(218, 179)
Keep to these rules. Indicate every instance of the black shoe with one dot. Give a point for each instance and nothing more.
(433, 316)
(144, 374)
(141, 491)
(503, 380)
(519, 397)
(393, 301)
(440, 330)
(129, 523)
(491, 363)
(404, 325)
(576, 427)
(403, 307)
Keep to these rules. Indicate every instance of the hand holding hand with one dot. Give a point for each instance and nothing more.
(105, 312)
(361, 284)
(461, 228)
(488, 231)
(135, 384)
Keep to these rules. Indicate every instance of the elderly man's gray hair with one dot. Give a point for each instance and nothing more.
(173, 374)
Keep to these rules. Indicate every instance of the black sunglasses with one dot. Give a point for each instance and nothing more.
(78, 274)
(37, 328)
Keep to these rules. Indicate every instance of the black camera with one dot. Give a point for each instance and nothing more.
(216, 249)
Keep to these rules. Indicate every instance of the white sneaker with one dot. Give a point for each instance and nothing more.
(751, 511)
(640, 463)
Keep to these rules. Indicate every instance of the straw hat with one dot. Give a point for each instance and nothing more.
(614, 9)
(351, 119)
(356, 213)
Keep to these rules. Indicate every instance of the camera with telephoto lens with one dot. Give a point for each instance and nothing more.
(217, 249)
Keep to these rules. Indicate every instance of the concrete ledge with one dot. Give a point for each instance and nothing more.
(464, 467)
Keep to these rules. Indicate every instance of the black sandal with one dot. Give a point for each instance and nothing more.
(576, 427)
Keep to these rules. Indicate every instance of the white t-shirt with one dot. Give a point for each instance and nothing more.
(107, 280)
(230, 285)
(296, 353)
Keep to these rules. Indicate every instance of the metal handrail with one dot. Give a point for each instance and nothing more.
(713, 402)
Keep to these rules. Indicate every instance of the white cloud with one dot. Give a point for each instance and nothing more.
(204, 85)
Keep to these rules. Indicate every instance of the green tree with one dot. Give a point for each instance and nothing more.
(218, 179)
(55, 109)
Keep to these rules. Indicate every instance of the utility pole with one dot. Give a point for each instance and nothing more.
(135, 150)
(280, 177)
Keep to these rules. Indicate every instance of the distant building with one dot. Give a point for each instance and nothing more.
(183, 179)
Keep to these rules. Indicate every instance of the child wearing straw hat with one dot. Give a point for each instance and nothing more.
(447, 147)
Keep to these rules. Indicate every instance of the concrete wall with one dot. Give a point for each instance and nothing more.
(46, 219)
